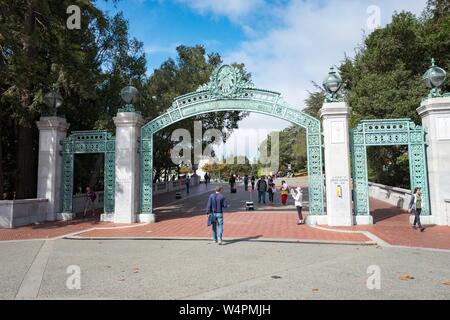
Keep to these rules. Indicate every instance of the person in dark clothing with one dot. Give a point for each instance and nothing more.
(246, 183)
(262, 189)
(271, 192)
(232, 183)
(206, 176)
(415, 207)
(188, 183)
(215, 206)
(252, 181)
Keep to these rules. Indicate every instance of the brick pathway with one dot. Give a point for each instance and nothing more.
(186, 218)
(251, 225)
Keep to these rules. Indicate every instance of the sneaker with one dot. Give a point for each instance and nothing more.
(220, 242)
(422, 229)
(414, 227)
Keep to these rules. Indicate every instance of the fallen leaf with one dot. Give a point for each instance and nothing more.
(121, 279)
(136, 270)
(315, 290)
(276, 277)
(446, 282)
(406, 277)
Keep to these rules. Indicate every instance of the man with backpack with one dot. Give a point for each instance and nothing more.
(261, 186)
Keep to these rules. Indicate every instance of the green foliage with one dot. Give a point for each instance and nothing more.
(292, 148)
(192, 68)
(238, 166)
(384, 79)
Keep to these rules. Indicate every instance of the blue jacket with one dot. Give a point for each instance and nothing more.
(216, 203)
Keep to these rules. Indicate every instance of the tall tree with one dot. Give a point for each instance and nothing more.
(191, 69)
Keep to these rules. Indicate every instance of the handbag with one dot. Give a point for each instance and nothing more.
(211, 218)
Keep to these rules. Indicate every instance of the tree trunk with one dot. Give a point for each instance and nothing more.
(1, 165)
(26, 177)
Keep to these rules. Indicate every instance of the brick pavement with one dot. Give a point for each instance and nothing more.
(185, 218)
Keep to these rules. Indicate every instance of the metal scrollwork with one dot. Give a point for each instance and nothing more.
(388, 132)
(82, 142)
(228, 90)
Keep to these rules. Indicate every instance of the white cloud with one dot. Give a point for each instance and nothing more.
(232, 9)
(308, 40)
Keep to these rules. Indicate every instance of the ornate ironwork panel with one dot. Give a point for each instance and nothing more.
(82, 142)
(228, 90)
(388, 132)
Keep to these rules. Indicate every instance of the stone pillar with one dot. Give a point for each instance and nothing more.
(52, 130)
(435, 114)
(335, 118)
(127, 193)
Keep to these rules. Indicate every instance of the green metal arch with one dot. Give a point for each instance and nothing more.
(388, 132)
(229, 91)
(88, 142)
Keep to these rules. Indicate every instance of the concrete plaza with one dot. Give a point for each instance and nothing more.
(265, 256)
(199, 269)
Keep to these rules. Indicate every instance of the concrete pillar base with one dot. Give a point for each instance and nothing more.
(343, 221)
(65, 216)
(146, 218)
(363, 220)
(316, 219)
(107, 217)
(124, 218)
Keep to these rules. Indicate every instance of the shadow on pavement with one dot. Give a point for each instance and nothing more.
(227, 242)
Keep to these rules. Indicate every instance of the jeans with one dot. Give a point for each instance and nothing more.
(299, 213)
(417, 217)
(187, 188)
(262, 197)
(217, 226)
(271, 197)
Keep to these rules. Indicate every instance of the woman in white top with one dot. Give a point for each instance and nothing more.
(297, 194)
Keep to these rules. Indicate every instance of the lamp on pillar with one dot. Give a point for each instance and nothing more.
(54, 101)
(333, 85)
(434, 78)
(130, 96)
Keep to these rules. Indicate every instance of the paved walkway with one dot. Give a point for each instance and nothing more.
(185, 218)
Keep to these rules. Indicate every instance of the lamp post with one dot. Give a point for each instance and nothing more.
(129, 95)
(333, 85)
(54, 101)
(434, 78)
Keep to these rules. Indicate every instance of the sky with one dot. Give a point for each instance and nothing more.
(285, 44)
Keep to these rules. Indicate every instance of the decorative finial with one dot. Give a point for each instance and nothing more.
(434, 78)
(333, 85)
(130, 96)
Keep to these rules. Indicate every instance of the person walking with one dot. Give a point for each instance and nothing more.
(206, 177)
(415, 207)
(298, 200)
(246, 182)
(284, 192)
(188, 183)
(271, 192)
(89, 201)
(252, 181)
(232, 184)
(215, 206)
(261, 186)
